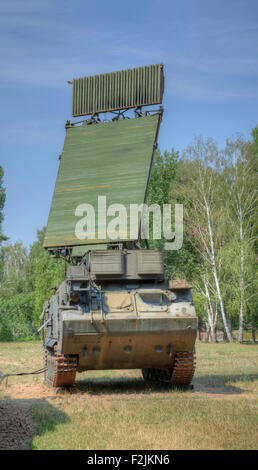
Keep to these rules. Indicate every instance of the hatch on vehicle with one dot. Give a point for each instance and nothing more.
(148, 301)
(117, 302)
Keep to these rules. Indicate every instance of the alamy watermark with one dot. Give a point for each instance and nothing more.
(124, 223)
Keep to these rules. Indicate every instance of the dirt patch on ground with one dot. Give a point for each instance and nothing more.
(30, 390)
(5, 362)
(17, 427)
(126, 389)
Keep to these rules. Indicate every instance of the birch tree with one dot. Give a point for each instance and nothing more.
(243, 203)
(212, 310)
(205, 288)
(200, 183)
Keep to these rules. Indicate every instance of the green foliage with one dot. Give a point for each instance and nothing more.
(25, 283)
(16, 300)
(252, 292)
(229, 263)
(199, 303)
(36, 253)
(49, 272)
(2, 237)
(2, 202)
(16, 317)
(164, 175)
(15, 270)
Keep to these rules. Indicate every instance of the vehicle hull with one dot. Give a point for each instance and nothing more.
(125, 342)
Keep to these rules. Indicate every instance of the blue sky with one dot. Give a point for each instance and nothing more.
(209, 50)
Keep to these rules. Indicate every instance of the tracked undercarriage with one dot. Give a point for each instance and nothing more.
(181, 373)
(60, 369)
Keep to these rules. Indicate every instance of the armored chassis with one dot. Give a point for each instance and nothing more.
(116, 310)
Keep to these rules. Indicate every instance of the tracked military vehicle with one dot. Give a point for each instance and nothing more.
(116, 308)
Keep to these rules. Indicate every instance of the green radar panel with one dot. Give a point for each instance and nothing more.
(111, 159)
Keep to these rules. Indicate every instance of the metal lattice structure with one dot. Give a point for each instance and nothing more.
(124, 89)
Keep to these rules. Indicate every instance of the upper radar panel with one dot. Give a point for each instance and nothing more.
(142, 86)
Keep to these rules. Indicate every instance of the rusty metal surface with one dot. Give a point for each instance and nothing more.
(60, 369)
(124, 89)
(181, 373)
(184, 367)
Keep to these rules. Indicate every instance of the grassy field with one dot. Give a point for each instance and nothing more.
(117, 410)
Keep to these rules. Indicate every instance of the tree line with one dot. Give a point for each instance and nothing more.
(217, 188)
